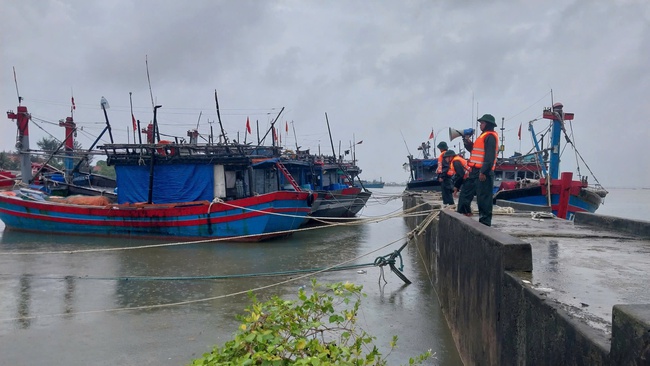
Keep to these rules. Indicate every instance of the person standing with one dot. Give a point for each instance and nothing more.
(445, 181)
(458, 170)
(482, 162)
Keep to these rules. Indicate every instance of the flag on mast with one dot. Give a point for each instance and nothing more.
(286, 126)
(431, 135)
(248, 125)
(519, 133)
(135, 125)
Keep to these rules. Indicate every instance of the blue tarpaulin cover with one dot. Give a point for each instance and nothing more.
(429, 162)
(171, 183)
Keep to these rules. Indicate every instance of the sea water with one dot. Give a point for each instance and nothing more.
(630, 203)
(60, 307)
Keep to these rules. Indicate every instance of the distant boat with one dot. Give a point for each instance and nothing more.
(165, 190)
(369, 184)
(563, 194)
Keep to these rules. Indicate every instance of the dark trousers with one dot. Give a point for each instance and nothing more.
(447, 187)
(483, 191)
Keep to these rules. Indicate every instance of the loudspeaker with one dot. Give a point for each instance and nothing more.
(453, 133)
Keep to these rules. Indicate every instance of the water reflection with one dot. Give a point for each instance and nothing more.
(80, 286)
(24, 301)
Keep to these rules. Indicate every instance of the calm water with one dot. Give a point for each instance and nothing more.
(58, 309)
(631, 203)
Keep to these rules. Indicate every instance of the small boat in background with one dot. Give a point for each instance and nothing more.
(369, 184)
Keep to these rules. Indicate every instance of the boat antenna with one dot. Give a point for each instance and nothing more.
(270, 129)
(405, 144)
(20, 99)
(502, 147)
(72, 107)
(199, 120)
(146, 62)
(293, 127)
(223, 133)
(330, 133)
(132, 118)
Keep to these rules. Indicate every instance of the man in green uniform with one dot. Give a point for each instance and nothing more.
(481, 177)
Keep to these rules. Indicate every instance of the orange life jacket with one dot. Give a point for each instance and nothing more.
(452, 170)
(440, 159)
(478, 151)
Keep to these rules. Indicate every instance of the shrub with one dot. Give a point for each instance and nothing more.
(319, 329)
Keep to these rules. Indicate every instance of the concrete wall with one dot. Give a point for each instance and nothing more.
(496, 320)
(636, 227)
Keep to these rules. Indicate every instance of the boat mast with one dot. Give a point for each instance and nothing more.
(22, 140)
(70, 129)
(558, 116)
(502, 148)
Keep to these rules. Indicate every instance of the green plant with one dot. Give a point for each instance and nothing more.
(319, 329)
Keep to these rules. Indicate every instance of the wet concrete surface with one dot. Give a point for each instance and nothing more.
(585, 269)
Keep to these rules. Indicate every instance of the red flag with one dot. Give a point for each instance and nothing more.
(519, 133)
(248, 125)
(73, 106)
(135, 125)
(286, 126)
(431, 135)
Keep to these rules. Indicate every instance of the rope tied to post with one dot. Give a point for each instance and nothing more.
(390, 260)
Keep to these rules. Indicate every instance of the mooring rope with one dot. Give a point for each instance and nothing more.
(340, 266)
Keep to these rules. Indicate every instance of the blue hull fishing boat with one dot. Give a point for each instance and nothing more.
(422, 172)
(561, 192)
(164, 190)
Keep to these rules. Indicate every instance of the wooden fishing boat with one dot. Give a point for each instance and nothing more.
(422, 171)
(248, 219)
(561, 192)
(173, 190)
(331, 179)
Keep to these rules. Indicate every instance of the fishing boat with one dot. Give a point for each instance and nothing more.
(422, 171)
(517, 169)
(564, 195)
(370, 184)
(331, 179)
(163, 190)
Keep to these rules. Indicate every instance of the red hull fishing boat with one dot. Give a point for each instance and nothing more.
(163, 190)
(561, 192)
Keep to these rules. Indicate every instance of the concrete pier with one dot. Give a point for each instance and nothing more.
(540, 291)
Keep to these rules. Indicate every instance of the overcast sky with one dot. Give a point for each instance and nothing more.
(386, 72)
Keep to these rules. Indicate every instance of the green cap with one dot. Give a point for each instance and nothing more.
(449, 153)
(442, 145)
(489, 119)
